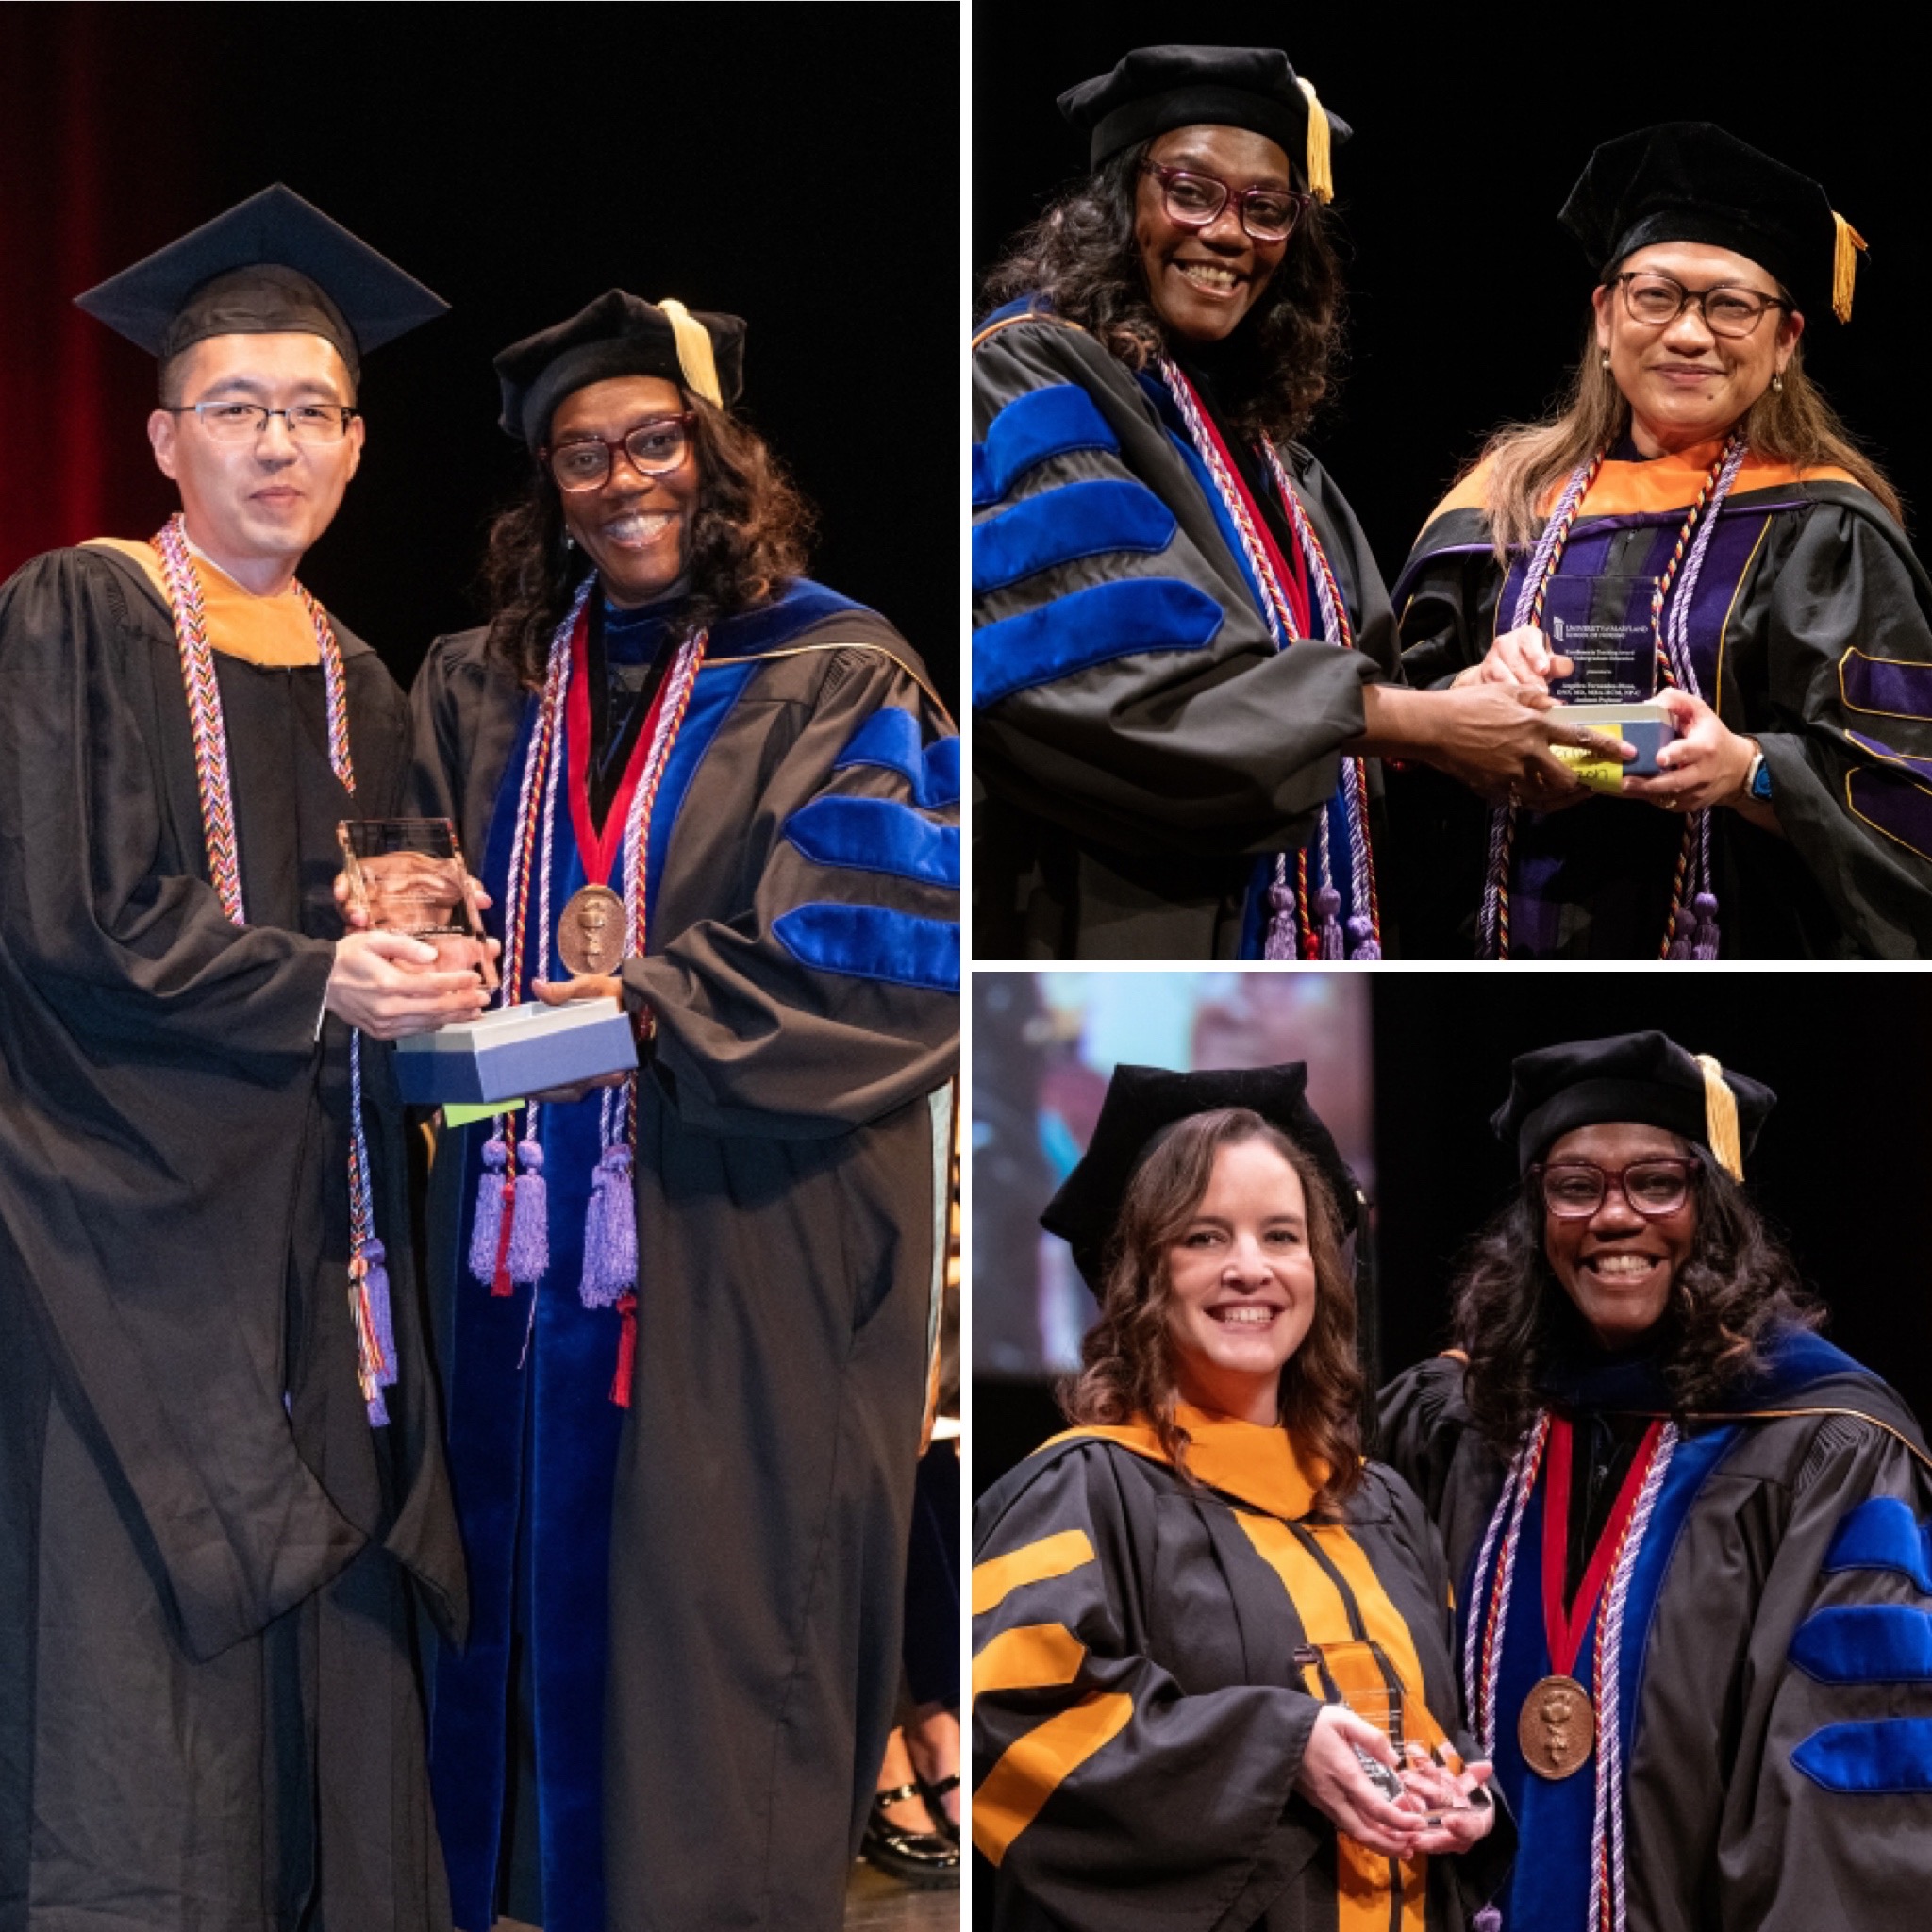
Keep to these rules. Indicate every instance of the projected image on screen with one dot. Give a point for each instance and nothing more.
(1044, 1045)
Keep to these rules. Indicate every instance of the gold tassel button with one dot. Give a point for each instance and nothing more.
(1844, 266)
(694, 355)
(1720, 1119)
(1321, 176)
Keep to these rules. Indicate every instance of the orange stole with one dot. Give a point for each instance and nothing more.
(1259, 1465)
(275, 631)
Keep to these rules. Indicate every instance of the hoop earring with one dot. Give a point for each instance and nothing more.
(1777, 383)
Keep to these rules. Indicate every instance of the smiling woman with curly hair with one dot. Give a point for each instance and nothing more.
(1678, 1519)
(1183, 659)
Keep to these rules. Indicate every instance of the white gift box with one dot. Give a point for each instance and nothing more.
(515, 1052)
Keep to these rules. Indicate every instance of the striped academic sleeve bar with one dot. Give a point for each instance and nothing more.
(876, 835)
(1865, 1643)
(1917, 768)
(1033, 1768)
(1032, 430)
(1882, 1533)
(998, 1578)
(1029, 1657)
(1096, 517)
(1886, 687)
(1089, 627)
(1883, 1754)
(873, 943)
(891, 740)
(1893, 804)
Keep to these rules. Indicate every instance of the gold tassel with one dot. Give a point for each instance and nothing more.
(1321, 176)
(1720, 1119)
(1844, 266)
(694, 356)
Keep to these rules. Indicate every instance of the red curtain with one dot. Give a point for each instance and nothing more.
(100, 164)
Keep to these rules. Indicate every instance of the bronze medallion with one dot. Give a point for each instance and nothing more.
(589, 935)
(1557, 1727)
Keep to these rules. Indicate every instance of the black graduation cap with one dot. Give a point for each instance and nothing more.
(272, 265)
(1156, 89)
(1691, 181)
(619, 335)
(1142, 1102)
(1646, 1077)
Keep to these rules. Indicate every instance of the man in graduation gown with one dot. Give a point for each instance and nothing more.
(687, 1507)
(222, 1497)
(1749, 1742)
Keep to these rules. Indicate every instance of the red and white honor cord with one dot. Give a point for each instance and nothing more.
(376, 1348)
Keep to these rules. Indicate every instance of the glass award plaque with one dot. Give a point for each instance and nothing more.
(408, 875)
(1601, 624)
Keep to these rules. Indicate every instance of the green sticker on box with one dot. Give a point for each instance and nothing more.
(460, 1114)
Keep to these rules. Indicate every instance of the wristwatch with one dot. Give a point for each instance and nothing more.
(1758, 780)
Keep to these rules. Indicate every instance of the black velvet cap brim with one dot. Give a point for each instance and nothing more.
(1643, 1077)
(1142, 1102)
(616, 335)
(1691, 181)
(272, 265)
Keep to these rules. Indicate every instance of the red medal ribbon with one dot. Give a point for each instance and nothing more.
(599, 851)
(1564, 1629)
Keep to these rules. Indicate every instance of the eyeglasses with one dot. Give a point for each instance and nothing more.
(1574, 1190)
(1195, 201)
(1657, 300)
(585, 462)
(230, 422)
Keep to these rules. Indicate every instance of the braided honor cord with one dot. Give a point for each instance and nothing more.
(368, 1279)
(1365, 926)
(1482, 1637)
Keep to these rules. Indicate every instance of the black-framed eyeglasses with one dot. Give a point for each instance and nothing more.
(585, 462)
(228, 421)
(1574, 1190)
(1657, 300)
(1196, 201)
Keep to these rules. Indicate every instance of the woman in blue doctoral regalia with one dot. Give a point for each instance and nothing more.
(684, 1320)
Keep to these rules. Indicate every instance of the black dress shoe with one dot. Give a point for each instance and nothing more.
(922, 1858)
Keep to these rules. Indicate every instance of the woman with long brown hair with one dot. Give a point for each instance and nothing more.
(683, 1320)
(1184, 664)
(1203, 1623)
(1741, 575)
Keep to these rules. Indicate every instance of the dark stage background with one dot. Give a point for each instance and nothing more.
(1843, 1167)
(1467, 300)
(797, 165)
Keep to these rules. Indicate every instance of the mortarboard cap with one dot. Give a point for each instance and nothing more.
(1646, 1077)
(1690, 181)
(1141, 1104)
(271, 265)
(1154, 90)
(619, 335)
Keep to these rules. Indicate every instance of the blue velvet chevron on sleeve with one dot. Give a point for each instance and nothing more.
(876, 835)
(1085, 519)
(1089, 626)
(1882, 1754)
(1032, 428)
(892, 738)
(1865, 1643)
(1882, 1533)
(873, 943)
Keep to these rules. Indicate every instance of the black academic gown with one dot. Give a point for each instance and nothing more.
(1812, 629)
(210, 1713)
(791, 1180)
(1139, 1713)
(1140, 744)
(1776, 1716)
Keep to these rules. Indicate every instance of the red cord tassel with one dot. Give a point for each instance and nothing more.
(500, 1282)
(627, 1349)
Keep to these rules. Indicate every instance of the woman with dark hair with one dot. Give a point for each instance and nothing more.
(1183, 655)
(1687, 1534)
(1203, 1625)
(1757, 609)
(684, 1320)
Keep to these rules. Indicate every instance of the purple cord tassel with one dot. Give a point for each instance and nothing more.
(530, 1237)
(1488, 1920)
(1362, 935)
(1328, 911)
(1706, 936)
(381, 1323)
(486, 1233)
(610, 1232)
(1281, 943)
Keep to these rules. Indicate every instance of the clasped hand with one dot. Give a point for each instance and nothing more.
(386, 985)
(1332, 1779)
